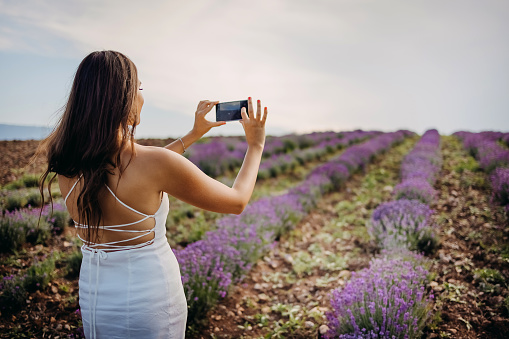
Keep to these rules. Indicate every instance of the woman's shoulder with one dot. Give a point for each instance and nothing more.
(152, 153)
(156, 159)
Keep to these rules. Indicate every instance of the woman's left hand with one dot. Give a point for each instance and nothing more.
(201, 124)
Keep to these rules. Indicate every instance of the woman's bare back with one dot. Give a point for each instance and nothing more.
(135, 189)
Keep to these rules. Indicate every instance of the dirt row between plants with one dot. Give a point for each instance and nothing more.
(472, 263)
(287, 293)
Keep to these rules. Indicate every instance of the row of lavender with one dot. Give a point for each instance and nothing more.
(493, 158)
(278, 163)
(210, 266)
(224, 154)
(388, 299)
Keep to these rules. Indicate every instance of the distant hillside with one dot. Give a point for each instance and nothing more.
(17, 132)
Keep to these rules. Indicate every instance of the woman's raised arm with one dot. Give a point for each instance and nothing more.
(201, 126)
(183, 180)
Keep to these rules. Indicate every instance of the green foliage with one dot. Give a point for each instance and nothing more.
(14, 288)
(490, 280)
(60, 219)
(263, 174)
(34, 198)
(467, 164)
(262, 320)
(12, 235)
(435, 320)
(19, 227)
(13, 200)
(37, 232)
(303, 263)
(40, 273)
(73, 264)
(475, 180)
(12, 294)
(27, 180)
(425, 242)
(289, 145)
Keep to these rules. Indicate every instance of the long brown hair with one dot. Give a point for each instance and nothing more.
(95, 126)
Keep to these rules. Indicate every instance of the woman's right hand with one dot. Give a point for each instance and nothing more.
(254, 124)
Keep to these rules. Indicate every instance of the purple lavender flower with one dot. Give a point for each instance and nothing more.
(500, 185)
(387, 299)
(403, 224)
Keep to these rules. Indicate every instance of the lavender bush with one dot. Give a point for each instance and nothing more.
(485, 148)
(12, 294)
(21, 226)
(500, 185)
(203, 274)
(403, 224)
(415, 188)
(386, 300)
(40, 273)
(13, 200)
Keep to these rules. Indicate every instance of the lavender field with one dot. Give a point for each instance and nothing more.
(352, 234)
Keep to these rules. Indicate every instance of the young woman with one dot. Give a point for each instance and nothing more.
(116, 191)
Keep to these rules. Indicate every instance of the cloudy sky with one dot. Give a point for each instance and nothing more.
(317, 65)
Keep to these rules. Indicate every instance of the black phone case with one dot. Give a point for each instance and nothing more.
(228, 111)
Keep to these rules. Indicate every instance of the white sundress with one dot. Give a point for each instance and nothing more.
(132, 291)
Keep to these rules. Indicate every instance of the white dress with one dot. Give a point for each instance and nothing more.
(132, 291)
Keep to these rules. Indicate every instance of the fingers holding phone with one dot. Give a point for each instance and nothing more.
(201, 124)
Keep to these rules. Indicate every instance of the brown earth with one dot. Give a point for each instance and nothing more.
(15, 158)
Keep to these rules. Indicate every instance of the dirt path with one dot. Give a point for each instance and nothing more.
(286, 294)
(472, 263)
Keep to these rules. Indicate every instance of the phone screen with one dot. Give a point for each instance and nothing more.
(227, 111)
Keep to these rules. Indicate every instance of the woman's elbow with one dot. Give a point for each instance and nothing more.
(239, 208)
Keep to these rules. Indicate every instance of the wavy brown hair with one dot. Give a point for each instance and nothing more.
(95, 126)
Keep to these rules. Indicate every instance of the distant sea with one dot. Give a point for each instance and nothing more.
(19, 132)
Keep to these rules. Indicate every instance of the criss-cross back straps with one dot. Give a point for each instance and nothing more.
(124, 204)
(115, 196)
(72, 188)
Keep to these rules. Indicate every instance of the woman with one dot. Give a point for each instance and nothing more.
(116, 191)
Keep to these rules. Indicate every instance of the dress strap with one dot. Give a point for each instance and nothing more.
(124, 204)
(72, 188)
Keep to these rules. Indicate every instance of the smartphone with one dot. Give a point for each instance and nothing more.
(228, 111)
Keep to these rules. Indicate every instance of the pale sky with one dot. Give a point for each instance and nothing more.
(317, 65)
